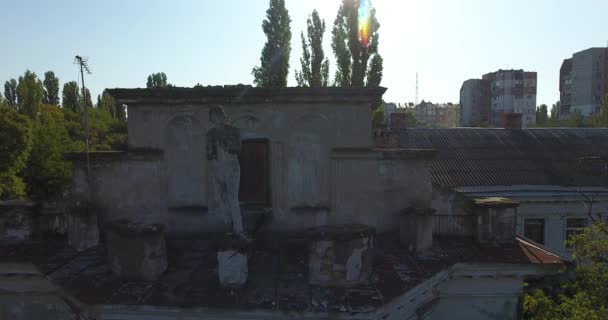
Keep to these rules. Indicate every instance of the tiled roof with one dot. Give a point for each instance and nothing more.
(499, 157)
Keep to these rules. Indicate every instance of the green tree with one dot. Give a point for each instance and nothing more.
(584, 296)
(374, 74)
(274, 62)
(71, 97)
(51, 88)
(601, 119)
(106, 102)
(354, 42)
(157, 80)
(15, 146)
(10, 92)
(47, 173)
(315, 67)
(105, 132)
(575, 120)
(87, 99)
(542, 116)
(555, 112)
(30, 93)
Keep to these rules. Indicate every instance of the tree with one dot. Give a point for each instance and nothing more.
(274, 62)
(354, 42)
(555, 112)
(10, 92)
(15, 146)
(71, 97)
(542, 116)
(157, 80)
(584, 296)
(47, 173)
(106, 102)
(601, 119)
(30, 93)
(87, 99)
(374, 74)
(576, 120)
(315, 67)
(51, 88)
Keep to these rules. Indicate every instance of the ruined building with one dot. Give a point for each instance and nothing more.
(333, 227)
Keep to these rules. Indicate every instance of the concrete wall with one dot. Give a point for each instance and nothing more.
(308, 186)
(470, 299)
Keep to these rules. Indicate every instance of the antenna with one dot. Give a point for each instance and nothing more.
(416, 88)
(83, 62)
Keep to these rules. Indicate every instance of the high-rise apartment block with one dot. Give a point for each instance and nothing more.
(492, 99)
(583, 82)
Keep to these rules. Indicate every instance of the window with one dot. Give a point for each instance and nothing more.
(534, 229)
(574, 226)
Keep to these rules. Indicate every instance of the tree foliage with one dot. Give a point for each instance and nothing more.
(542, 116)
(584, 296)
(30, 93)
(378, 117)
(315, 67)
(106, 102)
(71, 96)
(274, 62)
(601, 119)
(555, 112)
(355, 42)
(10, 92)
(15, 146)
(157, 80)
(47, 173)
(51, 88)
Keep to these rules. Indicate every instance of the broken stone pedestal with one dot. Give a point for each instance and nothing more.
(340, 255)
(416, 229)
(232, 257)
(83, 230)
(136, 251)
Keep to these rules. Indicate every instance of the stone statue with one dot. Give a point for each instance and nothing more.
(223, 149)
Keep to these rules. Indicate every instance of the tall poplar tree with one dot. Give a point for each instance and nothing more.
(30, 93)
(354, 42)
(71, 96)
(274, 62)
(51, 88)
(315, 67)
(10, 92)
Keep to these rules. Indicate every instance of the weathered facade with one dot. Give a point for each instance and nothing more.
(307, 159)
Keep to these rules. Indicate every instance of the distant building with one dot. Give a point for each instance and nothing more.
(432, 115)
(583, 82)
(389, 108)
(498, 93)
(475, 103)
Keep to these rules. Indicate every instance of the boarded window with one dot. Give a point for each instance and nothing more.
(534, 229)
(255, 173)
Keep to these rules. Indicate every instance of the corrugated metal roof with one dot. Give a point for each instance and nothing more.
(499, 157)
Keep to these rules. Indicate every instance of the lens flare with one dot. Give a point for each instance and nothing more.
(364, 22)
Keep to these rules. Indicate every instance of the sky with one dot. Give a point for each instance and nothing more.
(219, 42)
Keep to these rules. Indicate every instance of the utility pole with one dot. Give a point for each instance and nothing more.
(85, 67)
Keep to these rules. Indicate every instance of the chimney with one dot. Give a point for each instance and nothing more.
(496, 220)
(511, 120)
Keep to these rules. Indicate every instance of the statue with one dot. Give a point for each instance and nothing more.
(223, 149)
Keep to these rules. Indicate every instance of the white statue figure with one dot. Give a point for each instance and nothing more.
(223, 149)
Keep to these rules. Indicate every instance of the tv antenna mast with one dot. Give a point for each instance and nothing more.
(84, 66)
(416, 102)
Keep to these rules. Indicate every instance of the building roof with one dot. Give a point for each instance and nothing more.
(277, 274)
(245, 94)
(502, 157)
